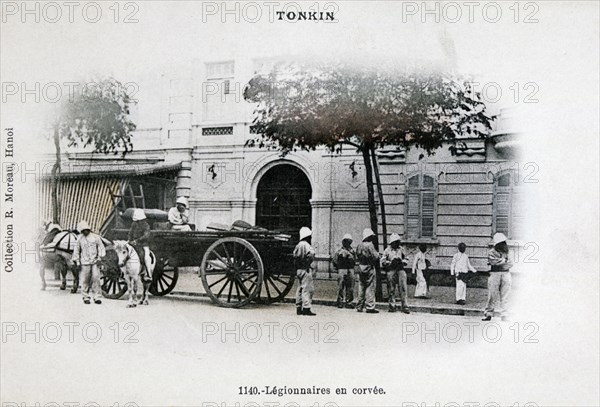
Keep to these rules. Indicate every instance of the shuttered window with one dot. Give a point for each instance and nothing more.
(420, 207)
(507, 206)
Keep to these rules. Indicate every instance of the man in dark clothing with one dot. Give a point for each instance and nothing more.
(344, 261)
(138, 237)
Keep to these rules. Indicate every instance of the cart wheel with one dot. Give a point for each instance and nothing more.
(164, 278)
(232, 272)
(277, 283)
(113, 286)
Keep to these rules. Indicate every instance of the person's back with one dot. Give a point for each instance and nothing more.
(366, 253)
(303, 254)
(368, 259)
(139, 232)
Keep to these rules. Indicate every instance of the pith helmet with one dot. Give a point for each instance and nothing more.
(305, 232)
(182, 200)
(395, 237)
(499, 238)
(367, 233)
(53, 226)
(347, 236)
(138, 214)
(83, 225)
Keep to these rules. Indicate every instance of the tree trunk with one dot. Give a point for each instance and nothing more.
(366, 153)
(54, 179)
(370, 191)
(378, 286)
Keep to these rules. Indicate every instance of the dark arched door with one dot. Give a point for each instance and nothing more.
(283, 199)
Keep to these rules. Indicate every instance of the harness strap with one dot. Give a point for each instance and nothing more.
(68, 244)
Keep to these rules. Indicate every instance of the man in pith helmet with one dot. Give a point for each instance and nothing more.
(392, 262)
(88, 252)
(499, 281)
(179, 215)
(344, 260)
(304, 255)
(139, 235)
(367, 258)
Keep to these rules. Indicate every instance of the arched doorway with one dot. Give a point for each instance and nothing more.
(283, 199)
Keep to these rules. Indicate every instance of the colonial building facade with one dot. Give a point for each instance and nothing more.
(462, 193)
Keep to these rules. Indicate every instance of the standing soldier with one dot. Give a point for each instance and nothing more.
(88, 251)
(393, 262)
(367, 258)
(499, 281)
(344, 261)
(304, 255)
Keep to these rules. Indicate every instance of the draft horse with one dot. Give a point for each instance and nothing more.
(56, 252)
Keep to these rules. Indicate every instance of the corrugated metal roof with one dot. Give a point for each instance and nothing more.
(80, 199)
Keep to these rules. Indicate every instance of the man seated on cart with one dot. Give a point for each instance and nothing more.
(179, 215)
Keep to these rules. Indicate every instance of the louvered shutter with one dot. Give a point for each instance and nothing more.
(503, 210)
(517, 214)
(427, 213)
(413, 205)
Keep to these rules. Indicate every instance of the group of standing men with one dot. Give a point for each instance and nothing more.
(392, 261)
(346, 259)
(366, 257)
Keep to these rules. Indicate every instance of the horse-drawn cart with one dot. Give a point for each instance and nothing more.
(236, 266)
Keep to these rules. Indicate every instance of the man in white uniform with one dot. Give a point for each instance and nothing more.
(459, 268)
(304, 255)
(179, 215)
(88, 252)
(499, 281)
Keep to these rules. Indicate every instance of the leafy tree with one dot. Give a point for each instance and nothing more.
(96, 115)
(308, 106)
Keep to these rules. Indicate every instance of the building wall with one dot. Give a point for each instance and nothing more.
(464, 199)
(204, 119)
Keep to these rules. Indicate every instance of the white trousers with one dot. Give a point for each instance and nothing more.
(461, 290)
(421, 288)
(498, 290)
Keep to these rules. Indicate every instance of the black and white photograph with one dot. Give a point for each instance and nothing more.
(310, 203)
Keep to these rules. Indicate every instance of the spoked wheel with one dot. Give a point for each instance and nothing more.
(113, 286)
(277, 283)
(164, 278)
(232, 272)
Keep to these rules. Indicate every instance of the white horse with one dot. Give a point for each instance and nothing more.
(56, 253)
(135, 273)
